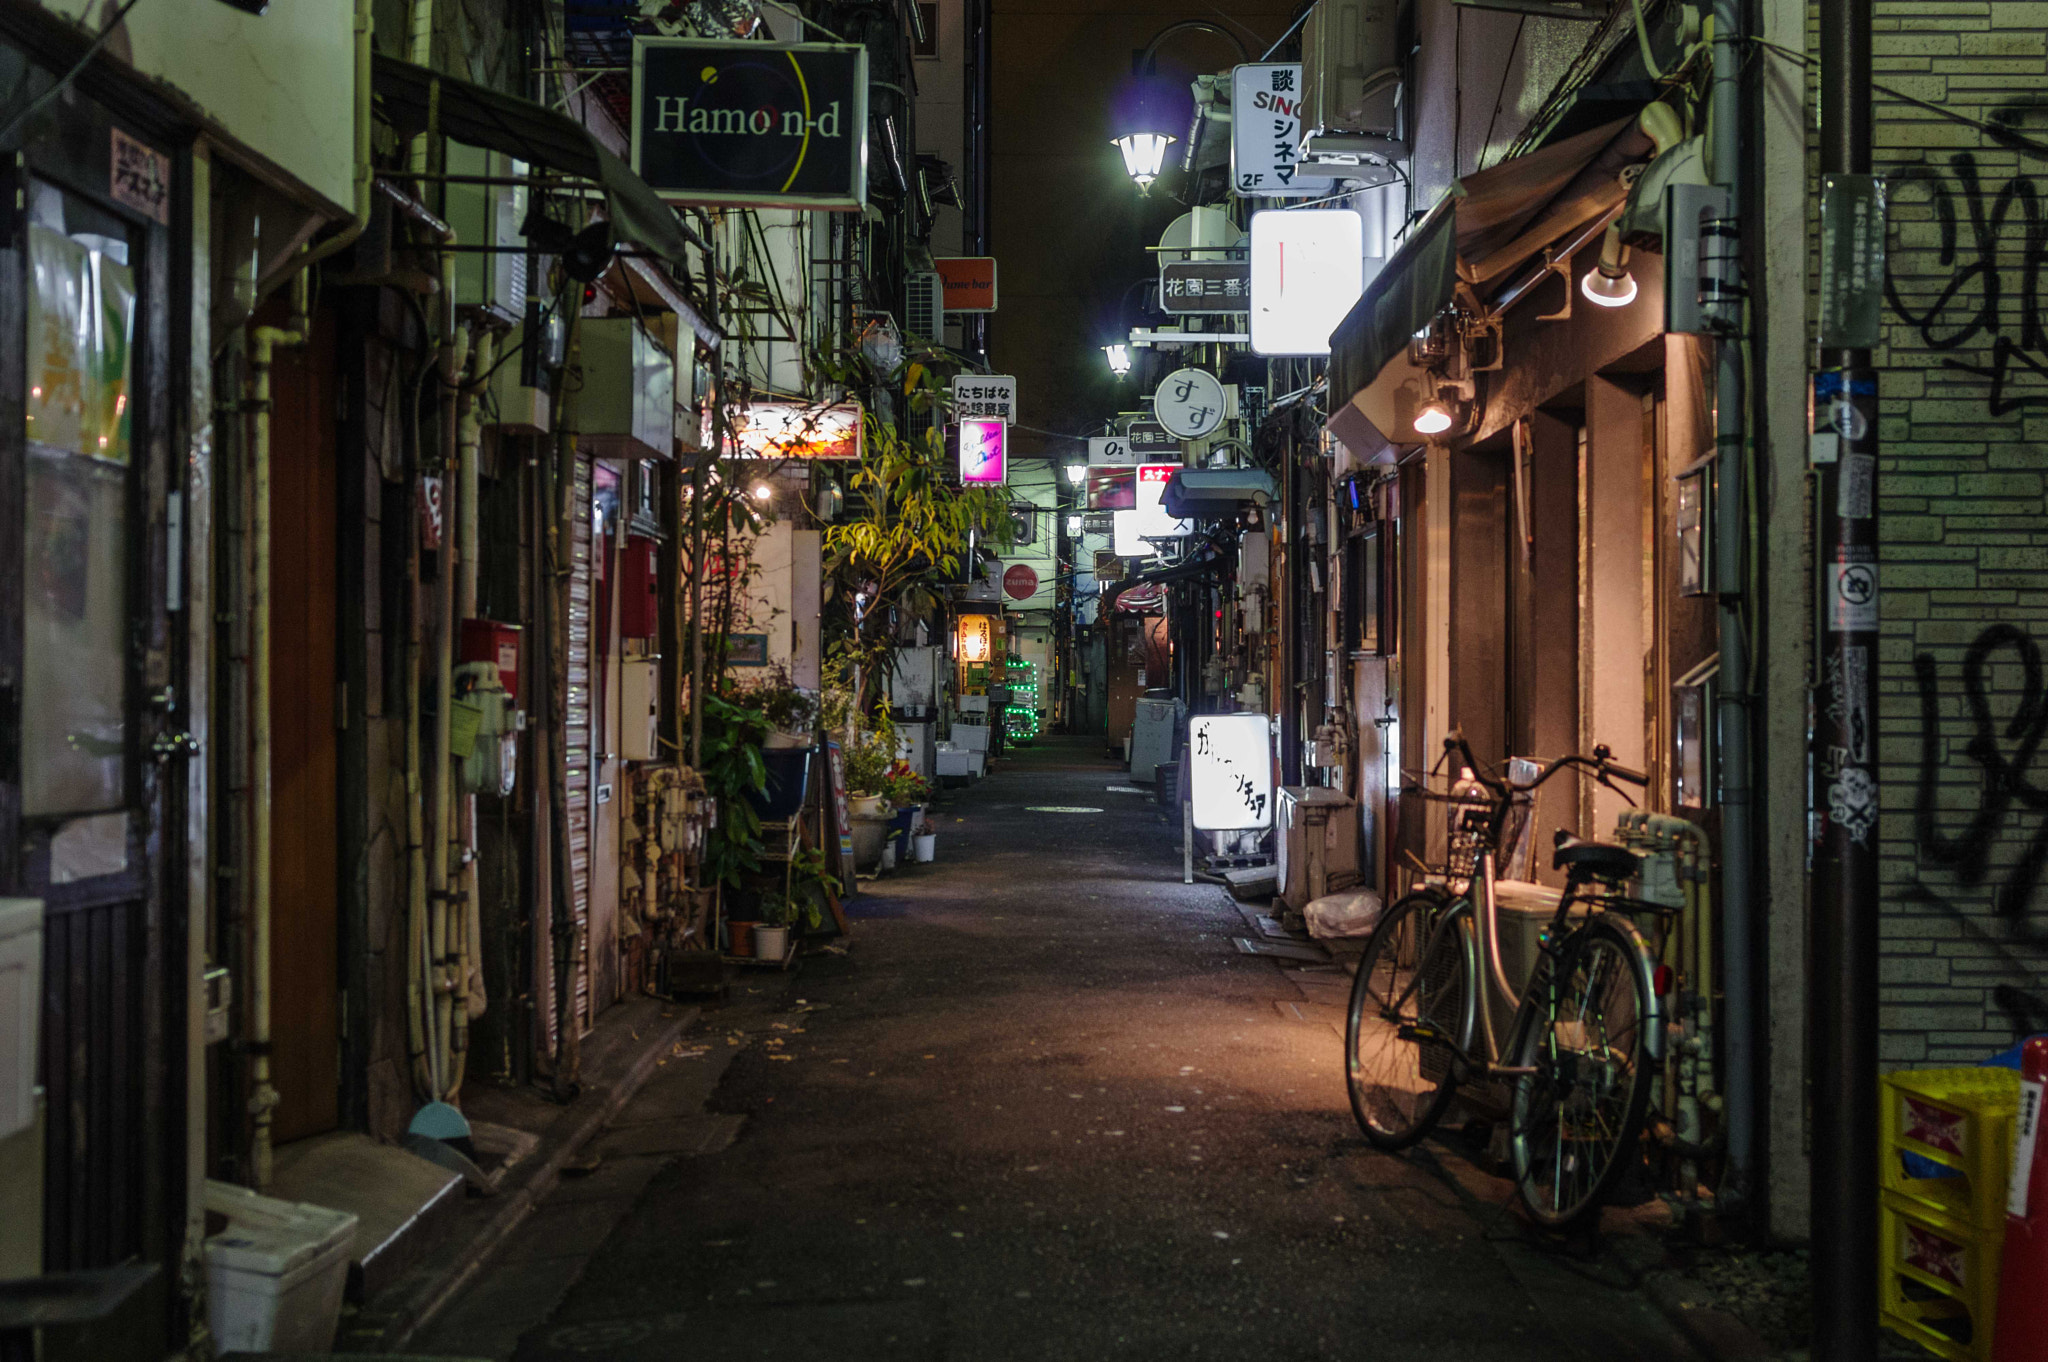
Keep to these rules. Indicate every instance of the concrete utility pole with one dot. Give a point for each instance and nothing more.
(1843, 1020)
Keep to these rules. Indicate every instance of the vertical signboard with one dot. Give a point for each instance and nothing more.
(1230, 771)
(984, 447)
(1265, 131)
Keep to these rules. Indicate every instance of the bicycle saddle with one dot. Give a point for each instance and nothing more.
(1594, 860)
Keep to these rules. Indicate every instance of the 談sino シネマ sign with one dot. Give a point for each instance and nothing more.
(770, 124)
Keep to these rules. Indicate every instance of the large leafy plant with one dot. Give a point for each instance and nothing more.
(732, 769)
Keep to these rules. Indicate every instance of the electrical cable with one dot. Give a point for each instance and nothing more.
(2005, 136)
(1507, 69)
(63, 81)
(1305, 12)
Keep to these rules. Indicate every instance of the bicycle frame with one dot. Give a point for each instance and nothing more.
(1481, 948)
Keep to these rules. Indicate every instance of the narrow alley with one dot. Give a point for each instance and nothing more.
(1041, 1108)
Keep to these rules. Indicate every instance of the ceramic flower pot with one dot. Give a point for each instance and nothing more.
(927, 846)
(771, 943)
(741, 935)
(865, 806)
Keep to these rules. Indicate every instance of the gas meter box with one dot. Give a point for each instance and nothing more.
(639, 587)
(491, 765)
(495, 643)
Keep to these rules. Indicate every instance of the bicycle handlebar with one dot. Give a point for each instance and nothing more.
(1601, 765)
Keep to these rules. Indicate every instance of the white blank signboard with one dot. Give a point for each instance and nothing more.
(1230, 771)
(1308, 268)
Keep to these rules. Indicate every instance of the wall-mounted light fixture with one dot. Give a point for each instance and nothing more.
(1609, 283)
(1077, 473)
(1119, 358)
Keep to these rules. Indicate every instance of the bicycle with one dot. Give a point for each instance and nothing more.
(1587, 1028)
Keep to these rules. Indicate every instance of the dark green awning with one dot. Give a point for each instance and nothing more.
(481, 117)
(1414, 286)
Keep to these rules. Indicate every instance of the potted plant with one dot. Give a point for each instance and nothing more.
(925, 841)
(791, 711)
(867, 773)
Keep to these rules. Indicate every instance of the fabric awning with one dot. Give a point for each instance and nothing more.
(481, 117)
(1488, 224)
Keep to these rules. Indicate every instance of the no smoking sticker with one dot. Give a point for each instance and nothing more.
(1852, 597)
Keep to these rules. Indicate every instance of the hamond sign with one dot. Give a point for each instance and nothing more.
(780, 125)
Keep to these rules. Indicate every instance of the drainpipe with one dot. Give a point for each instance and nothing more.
(264, 343)
(468, 928)
(1721, 264)
(453, 353)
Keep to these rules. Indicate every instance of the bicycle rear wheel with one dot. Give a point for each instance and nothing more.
(1410, 1014)
(1576, 1119)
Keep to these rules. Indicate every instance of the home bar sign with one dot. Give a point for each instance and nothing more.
(774, 125)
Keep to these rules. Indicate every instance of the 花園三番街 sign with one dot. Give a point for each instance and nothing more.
(984, 397)
(781, 125)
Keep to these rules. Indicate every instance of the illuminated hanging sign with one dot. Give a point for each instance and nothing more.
(1110, 449)
(1230, 771)
(1152, 520)
(974, 637)
(1112, 489)
(1308, 268)
(795, 430)
(774, 125)
(984, 449)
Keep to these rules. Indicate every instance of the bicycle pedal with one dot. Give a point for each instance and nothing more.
(1417, 1031)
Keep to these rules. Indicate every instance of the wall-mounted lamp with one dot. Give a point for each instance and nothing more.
(1119, 358)
(762, 491)
(1609, 283)
(1144, 154)
(1077, 473)
(1074, 525)
(1434, 418)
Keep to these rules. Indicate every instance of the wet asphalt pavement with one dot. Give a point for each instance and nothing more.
(1042, 1108)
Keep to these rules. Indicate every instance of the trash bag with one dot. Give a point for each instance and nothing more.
(1353, 913)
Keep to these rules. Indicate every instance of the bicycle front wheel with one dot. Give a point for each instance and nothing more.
(1577, 1117)
(1409, 1017)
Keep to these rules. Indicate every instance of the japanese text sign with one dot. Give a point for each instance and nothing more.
(991, 396)
(1230, 771)
(1265, 131)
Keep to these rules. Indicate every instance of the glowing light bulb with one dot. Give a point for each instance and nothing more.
(1433, 419)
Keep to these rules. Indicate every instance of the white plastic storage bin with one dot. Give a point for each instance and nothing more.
(275, 1275)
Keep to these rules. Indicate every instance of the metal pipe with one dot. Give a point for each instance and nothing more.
(1844, 1002)
(442, 766)
(263, 1100)
(1721, 261)
(466, 982)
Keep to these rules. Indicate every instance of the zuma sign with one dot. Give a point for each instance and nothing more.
(775, 125)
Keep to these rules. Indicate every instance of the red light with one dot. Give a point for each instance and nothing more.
(1219, 614)
(1662, 980)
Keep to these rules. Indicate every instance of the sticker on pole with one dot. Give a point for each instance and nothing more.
(2029, 1131)
(1852, 598)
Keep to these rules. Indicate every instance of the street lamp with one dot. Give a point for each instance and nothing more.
(1077, 473)
(1152, 112)
(1119, 358)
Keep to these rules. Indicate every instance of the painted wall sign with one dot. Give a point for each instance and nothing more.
(990, 396)
(984, 448)
(1189, 403)
(1265, 131)
(1230, 771)
(968, 282)
(779, 125)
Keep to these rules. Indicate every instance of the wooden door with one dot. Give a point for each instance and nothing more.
(305, 977)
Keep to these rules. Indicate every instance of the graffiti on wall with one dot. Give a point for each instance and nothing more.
(2003, 754)
(1987, 296)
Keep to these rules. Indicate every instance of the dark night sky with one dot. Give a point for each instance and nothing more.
(1069, 228)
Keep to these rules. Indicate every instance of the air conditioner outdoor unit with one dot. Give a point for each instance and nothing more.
(1318, 843)
(1351, 88)
(626, 408)
(924, 310)
(488, 215)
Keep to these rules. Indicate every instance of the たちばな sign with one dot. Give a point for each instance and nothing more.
(781, 125)
(991, 396)
(1230, 771)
